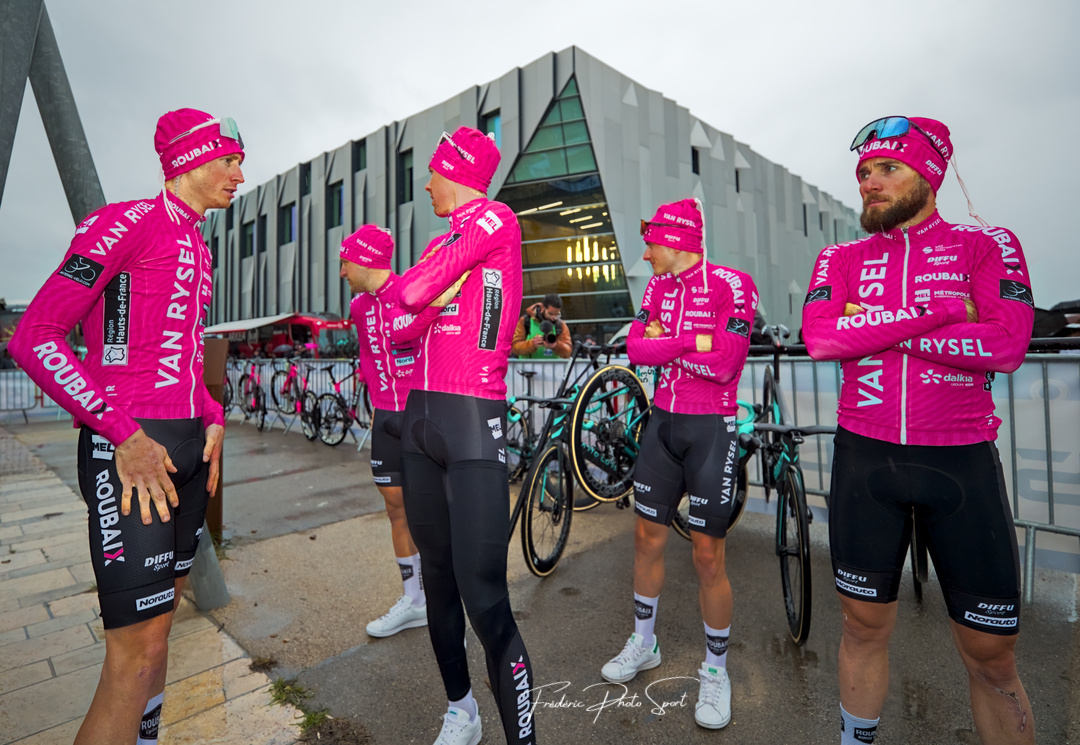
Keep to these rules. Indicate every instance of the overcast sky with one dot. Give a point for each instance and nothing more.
(793, 79)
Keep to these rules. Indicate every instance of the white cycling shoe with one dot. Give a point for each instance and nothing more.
(459, 729)
(713, 709)
(634, 658)
(402, 615)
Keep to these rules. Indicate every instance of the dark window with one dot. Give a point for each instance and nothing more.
(738, 186)
(247, 239)
(491, 124)
(359, 155)
(821, 222)
(305, 179)
(286, 225)
(695, 160)
(405, 177)
(229, 212)
(805, 229)
(214, 252)
(260, 235)
(836, 231)
(335, 204)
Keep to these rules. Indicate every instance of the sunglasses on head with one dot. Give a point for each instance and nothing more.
(646, 223)
(891, 126)
(445, 137)
(226, 126)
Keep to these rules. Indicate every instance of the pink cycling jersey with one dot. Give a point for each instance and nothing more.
(915, 371)
(466, 345)
(387, 365)
(686, 305)
(140, 283)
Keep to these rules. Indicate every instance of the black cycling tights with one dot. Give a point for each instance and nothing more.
(457, 502)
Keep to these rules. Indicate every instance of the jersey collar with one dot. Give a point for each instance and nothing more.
(181, 208)
(930, 224)
(465, 211)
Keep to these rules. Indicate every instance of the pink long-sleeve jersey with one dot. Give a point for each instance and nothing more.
(140, 283)
(721, 305)
(466, 345)
(915, 372)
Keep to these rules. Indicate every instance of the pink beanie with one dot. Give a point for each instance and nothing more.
(370, 246)
(469, 158)
(677, 225)
(183, 145)
(926, 149)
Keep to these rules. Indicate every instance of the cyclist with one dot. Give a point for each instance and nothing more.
(137, 276)
(457, 498)
(921, 314)
(388, 369)
(695, 322)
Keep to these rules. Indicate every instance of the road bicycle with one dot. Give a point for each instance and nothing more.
(291, 395)
(521, 433)
(337, 413)
(228, 395)
(253, 398)
(547, 491)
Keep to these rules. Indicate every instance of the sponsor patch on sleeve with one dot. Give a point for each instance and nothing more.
(642, 315)
(82, 270)
(1013, 290)
(819, 293)
(452, 239)
(738, 326)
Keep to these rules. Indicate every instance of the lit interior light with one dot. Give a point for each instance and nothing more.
(579, 219)
(595, 272)
(577, 252)
(549, 206)
(596, 250)
(570, 212)
(607, 274)
(528, 212)
(605, 214)
(579, 272)
(569, 254)
(590, 225)
(603, 253)
(569, 272)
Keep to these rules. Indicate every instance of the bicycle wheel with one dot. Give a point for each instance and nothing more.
(334, 419)
(793, 548)
(548, 510)
(259, 407)
(309, 415)
(681, 521)
(283, 392)
(227, 396)
(519, 444)
(245, 387)
(609, 420)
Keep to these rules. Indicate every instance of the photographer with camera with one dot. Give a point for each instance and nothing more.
(541, 332)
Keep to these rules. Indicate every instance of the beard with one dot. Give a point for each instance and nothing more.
(902, 209)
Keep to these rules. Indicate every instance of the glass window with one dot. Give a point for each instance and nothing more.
(695, 160)
(405, 176)
(247, 239)
(359, 155)
(575, 133)
(260, 235)
(571, 109)
(541, 165)
(335, 204)
(492, 124)
(305, 179)
(214, 252)
(571, 88)
(579, 159)
(287, 223)
(546, 138)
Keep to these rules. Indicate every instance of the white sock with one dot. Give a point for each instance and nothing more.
(410, 578)
(716, 643)
(151, 718)
(855, 731)
(466, 704)
(645, 619)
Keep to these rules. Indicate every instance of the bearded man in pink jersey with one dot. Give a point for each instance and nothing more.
(137, 276)
(922, 314)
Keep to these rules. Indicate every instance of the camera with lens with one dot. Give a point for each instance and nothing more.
(550, 331)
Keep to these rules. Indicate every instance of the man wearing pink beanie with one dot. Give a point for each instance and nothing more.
(453, 446)
(387, 369)
(694, 324)
(921, 314)
(138, 277)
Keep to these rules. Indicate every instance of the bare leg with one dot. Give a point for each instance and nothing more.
(864, 656)
(715, 590)
(999, 703)
(649, 541)
(399, 528)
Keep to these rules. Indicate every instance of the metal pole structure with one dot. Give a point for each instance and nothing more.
(28, 49)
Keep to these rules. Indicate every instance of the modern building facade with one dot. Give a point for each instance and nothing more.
(586, 153)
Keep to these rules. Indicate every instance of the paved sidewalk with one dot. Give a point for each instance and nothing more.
(52, 642)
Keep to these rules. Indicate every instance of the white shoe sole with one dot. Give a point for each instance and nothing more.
(410, 625)
(631, 676)
(710, 725)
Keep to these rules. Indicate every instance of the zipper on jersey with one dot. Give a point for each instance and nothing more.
(678, 331)
(903, 356)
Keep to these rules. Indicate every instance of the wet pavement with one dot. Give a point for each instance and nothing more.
(309, 564)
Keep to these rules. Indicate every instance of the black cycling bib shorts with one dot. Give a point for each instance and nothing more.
(696, 454)
(957, 493)
(136, 565)
(386, 447)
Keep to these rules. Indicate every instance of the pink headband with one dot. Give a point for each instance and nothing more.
(677, 225)
(468, 157)
(187, 138)
(926, 148)
(370, 246)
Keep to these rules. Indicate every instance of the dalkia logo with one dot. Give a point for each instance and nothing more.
(935, 377)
